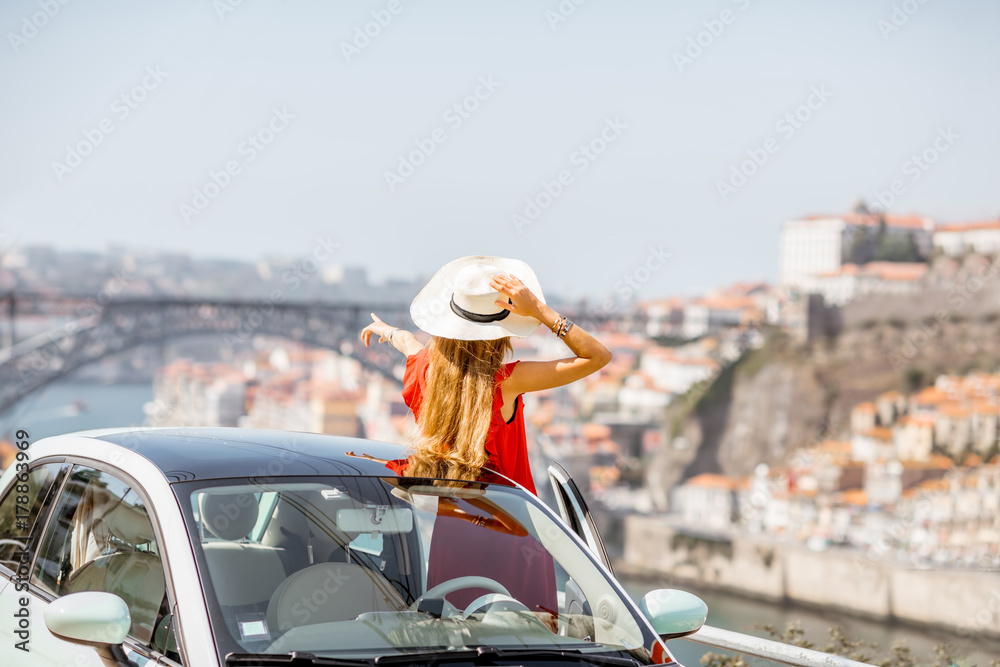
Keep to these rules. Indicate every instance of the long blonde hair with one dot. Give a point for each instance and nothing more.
(456, 408)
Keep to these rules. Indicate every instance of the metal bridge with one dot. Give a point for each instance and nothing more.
(92, 331)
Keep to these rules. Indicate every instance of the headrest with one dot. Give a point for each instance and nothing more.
(130, 524)
(229, 516)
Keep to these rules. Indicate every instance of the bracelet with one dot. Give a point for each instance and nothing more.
(557, 327)
(389, 336)
(566, 330)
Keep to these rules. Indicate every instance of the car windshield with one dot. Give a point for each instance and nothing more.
(361, 567)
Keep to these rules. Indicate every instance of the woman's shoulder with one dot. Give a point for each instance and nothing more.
(416, 365)
(413, 378)
(506, 370)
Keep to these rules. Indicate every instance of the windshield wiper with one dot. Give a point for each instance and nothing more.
(293, 659)
(490, 655)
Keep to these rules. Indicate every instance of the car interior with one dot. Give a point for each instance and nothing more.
(269, 553)
(289, 563)
(101, 538)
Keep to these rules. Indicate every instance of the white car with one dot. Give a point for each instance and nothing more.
(222, 546)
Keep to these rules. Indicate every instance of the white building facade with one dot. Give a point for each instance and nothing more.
(981, 237)
(813, 246)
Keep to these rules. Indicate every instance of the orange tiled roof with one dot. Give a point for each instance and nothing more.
(953, 410)
(711, 480)
(930, 395)
(867, 407)
(726, 302)
(835, 447)
(909, 221)
(971, 461)
(969, 226)
(942, 461)
(593, 431)
(885, 270)
(854, 497)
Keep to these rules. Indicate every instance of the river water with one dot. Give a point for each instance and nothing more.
(64, 407)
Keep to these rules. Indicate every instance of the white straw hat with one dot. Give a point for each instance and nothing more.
(459, 303)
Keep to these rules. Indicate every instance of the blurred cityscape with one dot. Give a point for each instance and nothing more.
(854, 406)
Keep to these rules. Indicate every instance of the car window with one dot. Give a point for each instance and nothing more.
(101, 538)
(364, 566)
(23, 507)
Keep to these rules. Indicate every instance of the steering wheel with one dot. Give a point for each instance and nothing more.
(457, 584)
(23, 546)
(494, 601)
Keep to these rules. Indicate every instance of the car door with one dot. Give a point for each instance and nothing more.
(99, 536)
(24, 508)
(573, 510)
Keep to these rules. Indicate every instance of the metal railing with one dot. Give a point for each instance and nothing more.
(771, 650)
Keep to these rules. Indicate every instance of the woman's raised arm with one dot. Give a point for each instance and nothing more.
(401, 339)
(591, 355)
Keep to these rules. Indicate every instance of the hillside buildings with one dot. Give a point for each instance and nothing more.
(917, 476)
(817, 245)
(981, 237)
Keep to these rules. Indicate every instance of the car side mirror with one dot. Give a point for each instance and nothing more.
(674, 613)
(92, 618)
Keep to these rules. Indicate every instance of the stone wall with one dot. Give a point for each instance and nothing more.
(964, 601)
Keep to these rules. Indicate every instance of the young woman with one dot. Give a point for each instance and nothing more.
(466, 402)
(464, 397)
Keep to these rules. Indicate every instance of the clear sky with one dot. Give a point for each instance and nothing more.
(673, 129)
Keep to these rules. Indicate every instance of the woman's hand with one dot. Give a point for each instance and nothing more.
(524, 302)
(379, 328)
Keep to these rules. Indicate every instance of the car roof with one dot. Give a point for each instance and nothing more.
(190, 453)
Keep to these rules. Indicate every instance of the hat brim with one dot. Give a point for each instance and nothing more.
(431, 308)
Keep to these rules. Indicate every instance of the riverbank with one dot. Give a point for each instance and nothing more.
(964, 602)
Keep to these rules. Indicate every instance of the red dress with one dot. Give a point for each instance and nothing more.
(520, 563)
(506, 442)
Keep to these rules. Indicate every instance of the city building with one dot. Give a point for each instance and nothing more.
(980, 237)
(851, 281)
(674, 372)
(816, 245)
